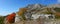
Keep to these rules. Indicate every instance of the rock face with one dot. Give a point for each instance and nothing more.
(35, 14)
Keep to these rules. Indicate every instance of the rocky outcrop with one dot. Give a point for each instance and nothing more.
(36, 13)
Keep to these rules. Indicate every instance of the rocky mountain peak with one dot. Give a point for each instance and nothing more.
(34, 6)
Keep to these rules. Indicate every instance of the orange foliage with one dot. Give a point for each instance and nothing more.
(57, 13)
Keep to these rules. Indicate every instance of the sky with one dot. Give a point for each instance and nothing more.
(10, 6)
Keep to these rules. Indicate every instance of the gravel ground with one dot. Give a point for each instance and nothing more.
(39, 22)
(56, 21)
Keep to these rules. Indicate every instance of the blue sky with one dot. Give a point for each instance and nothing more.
(9, 6)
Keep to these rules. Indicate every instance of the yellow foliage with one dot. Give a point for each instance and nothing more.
(22, 11)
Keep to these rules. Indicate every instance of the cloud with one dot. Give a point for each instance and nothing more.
(58, 1)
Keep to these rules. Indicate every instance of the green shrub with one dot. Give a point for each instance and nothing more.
(1, 20)
(57, 9)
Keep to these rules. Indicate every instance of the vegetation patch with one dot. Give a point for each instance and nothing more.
(57, 9)
(2, 20)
